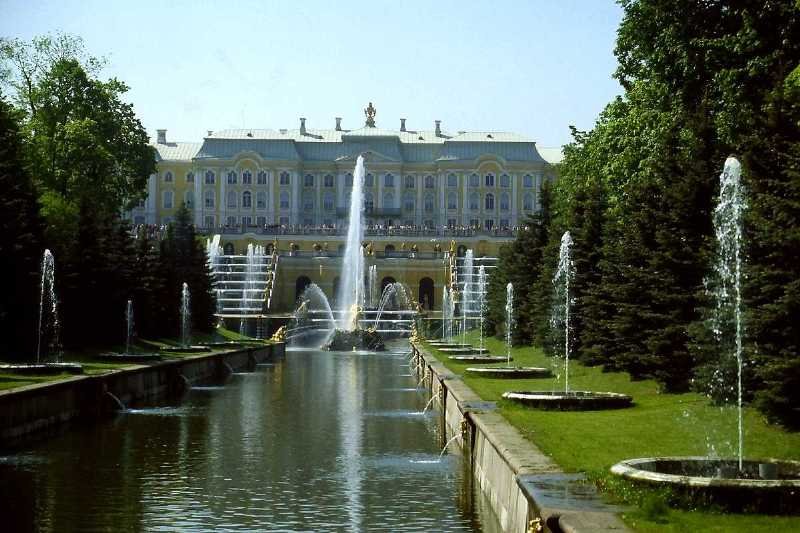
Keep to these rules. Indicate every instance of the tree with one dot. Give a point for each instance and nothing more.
(21, 246)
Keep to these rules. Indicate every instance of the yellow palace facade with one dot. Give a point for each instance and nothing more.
(423, 189)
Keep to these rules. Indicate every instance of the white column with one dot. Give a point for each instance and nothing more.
(465, 202)
(198, 197)
(418, 213)
(439, 221)
(295, 177)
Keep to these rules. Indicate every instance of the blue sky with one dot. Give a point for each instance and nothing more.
(532, 67)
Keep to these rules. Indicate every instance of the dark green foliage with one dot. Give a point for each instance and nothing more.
(150, 309)
(21, 245)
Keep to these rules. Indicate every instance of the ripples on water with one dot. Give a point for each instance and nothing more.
(317, 442)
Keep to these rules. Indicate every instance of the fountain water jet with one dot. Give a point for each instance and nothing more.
(128, 326)
(509, 319)
(186, 316)
(482, 299)
(561, 282)
(351, 292)
(48, 306)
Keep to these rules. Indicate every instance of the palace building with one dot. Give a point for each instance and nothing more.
(423, 189)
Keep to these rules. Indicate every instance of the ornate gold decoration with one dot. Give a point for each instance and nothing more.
(280, 334)
(452, 248)
(535, 526)
(370, 113)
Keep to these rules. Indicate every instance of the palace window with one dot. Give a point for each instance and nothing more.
(428, 203)
(231, 177)
(261, 221)
(451, 222)
(261, 200)
(348, 180)
(283, 221)
(409, 182)
(327, 181)
(262, 178)
(190, 177)
(231, 221)
(232, 199)
(474, 181)
(369, 180)
(284, 200)
(474, 223)
(210, 178)
(347, 196)
(308, 181)
(505, 181)
(247, 221)
(430, 183)
(428, 224)
(327, 201)
(388, 180)
(285, 178)
(188, 199)
(308, 201)
(527, 181)
(504, 224)
(409, 202)
(209, 221)
(247, 178)
(489, 180)
(168, 199)
(247, 199)
(139, 220)
(488, 224)
(388, 199)
(210, 199)
(452, 180)
(452, 201)
(488, 202)
(504, 202)
(527, 202)
(168, 177)
(369, 202)
(474, 202)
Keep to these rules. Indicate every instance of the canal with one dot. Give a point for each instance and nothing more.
(315, 441)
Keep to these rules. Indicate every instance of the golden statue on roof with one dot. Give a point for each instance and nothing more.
(370, 112)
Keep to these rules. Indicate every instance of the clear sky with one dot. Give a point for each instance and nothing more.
(532, 67)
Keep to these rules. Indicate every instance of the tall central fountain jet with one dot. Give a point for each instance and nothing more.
(351, 288)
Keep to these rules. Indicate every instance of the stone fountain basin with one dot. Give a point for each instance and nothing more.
(445, 344)
(41, 369)
(185, 349)
(464, 351)
(763, 486)
(129, 357)
(570, 401)
(477, 358)
(510, 372)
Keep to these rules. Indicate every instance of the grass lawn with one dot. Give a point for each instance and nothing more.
(657, 424)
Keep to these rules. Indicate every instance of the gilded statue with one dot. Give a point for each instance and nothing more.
(370, 113)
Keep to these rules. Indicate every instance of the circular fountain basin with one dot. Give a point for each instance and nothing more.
(478, 358)
(763, 486)
(448, 344)
(510, 372)
(570, 401)
(41, 369)
(185, 349)
(129, 357)
(464, 351)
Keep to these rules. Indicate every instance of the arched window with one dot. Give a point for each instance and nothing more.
(168, 177)
(210, 178)
(504, 202)
(327, 201)
(388, 199)
(409, 202)
(262, 178)
(190, 177)
(426, 293)
(308, 201)
(231, 177)
(527, 181)
(247, 178)
(369, 202)
(348, 180)
(284, 200)
(327, 181)
(210, 197)
(428, 203)
(232, 199)
(489, 180)
(388, 180)
(300, 285)
(452, 180)
(452, 201)
(409, 182)
(188, 199)
(308, 181)
(430, 183)
(369, 180)
(505, 181)
(474, 201)
(527, 202)
(286, 178)
(168, 200)
(488, 203)
(247, 199)
(228, 248)
(261, 200)
(474, 181)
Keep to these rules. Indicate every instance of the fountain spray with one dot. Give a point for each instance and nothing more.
(561, 282)
(509, 320)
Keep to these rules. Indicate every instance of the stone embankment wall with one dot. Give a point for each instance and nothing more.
(509, 470)
(27, 410)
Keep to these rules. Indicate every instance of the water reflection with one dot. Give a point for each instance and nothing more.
(318, 441)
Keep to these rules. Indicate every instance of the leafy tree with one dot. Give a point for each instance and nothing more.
(21, 246)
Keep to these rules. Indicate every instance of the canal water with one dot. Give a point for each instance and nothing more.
(315, 441)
